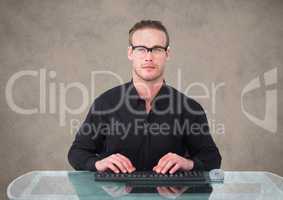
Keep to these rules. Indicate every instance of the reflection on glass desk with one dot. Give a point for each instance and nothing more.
(80, 185)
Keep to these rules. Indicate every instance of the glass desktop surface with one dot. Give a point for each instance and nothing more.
(80, 185)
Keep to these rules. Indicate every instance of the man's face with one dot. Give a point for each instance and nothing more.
(148, 66)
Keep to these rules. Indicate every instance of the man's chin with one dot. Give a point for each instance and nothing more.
(150, 79)
(149, 76)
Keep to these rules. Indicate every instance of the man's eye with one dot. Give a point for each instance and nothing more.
(140, 49)
(158, 49)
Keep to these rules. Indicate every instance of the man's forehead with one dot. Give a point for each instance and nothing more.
(149, 36)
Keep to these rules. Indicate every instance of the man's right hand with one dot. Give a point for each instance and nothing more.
(116, 163)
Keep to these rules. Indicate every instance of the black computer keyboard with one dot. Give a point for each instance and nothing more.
(150, 176)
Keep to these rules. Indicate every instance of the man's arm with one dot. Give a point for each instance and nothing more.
(203, 153)
(201, 148)
(88, 152)
(87, 147)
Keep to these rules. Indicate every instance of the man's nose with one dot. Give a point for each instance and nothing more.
(148, 56)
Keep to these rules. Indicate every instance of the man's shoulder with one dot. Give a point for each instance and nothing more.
(113, 94)
(185, 99)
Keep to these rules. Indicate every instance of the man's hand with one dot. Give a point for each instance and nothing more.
(171, 192)
(173, 162)
(116, 163)
(117, 190)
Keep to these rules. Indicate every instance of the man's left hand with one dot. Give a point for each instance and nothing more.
(172, 162)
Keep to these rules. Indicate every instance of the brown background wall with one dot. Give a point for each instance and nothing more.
(230, 42)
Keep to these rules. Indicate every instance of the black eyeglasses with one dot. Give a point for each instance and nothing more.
(141, 51)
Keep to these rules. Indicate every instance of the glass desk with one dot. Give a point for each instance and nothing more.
(80, 185)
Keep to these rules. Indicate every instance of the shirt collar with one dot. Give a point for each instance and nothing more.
(161, 99)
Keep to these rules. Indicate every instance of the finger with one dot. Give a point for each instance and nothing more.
(174, 190)
(128, 165)
(178, 190)
(126, 162)
(154, 168)
(163, 158)
(160, 189)
(161, 165)
(112, 167)
(168, 166)
(122, 162)
(165, 190)
(118, 164)
(175, 168)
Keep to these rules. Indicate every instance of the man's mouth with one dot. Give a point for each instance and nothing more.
(148, 67)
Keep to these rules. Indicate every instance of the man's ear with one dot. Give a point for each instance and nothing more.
(130, 53)
(168, 53)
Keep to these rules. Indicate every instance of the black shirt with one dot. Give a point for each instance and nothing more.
(118, 123)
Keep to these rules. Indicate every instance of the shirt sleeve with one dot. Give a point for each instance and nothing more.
(200, 145)
(88, 145)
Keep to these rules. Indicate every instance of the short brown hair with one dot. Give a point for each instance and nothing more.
(148, 24)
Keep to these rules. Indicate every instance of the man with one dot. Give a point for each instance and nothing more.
(145, 124)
